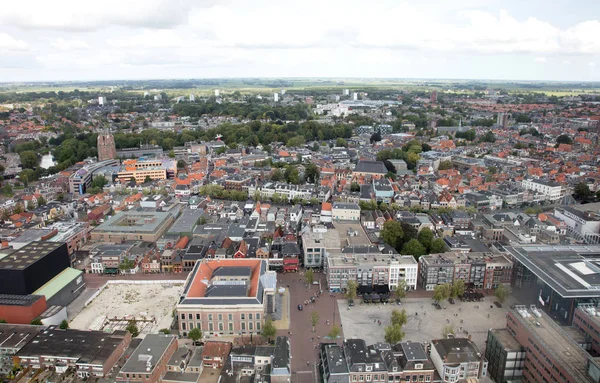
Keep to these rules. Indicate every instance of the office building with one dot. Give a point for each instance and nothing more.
(275, 97)
(345, 212)
(106, 147)
(505, 356)
(143, 151)
(583, 225)
(141, 170)
(317, 241)
(101, 100)
(81, 180)
(586, 319)
(227, 297)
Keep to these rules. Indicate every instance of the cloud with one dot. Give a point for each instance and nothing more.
(149, 39)
(77, 15)
(541, 60)
(9, 43)
(69, 45)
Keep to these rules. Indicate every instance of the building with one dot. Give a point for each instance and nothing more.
(106, 147)
(133, 225)
(12, 339)
(101, 100)
(140, 171)
(364, 365)
(63, 288)
(551, 355)
(90, 353)
(21, 309)
(505, 355)
(565, 276)
(479, 270)
(227, 297)
(215, 353)
(370, 169)
(582, 225)
(25, 270)
(433, 97)
(144, 151)
(74, 234)
(148, 363)
(502, 120)
(380, 272)
(81, 180)
(586, 319)
(275, 97)
(457, 359)
(551, 191)
(332, 364)
(316, 242)
(345, 212)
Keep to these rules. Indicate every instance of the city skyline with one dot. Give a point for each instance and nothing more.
(468, 39)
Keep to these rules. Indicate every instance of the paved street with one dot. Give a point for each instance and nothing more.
(303, 340)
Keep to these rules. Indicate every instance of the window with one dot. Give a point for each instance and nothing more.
(210, 317)
(243, 326)
(354, 378)
(419, 366)
(250, 326)
(368, 378)
(361, 378)
(182, 316)
(210, 327)
(242, 316)
(183, 326)
(220, 326)
(257, 326)
(190, 316)
(220, 316)
(250, 316)
(197, 316)
(257, 316)
(230, 327)
(230, 317)
(428, 378)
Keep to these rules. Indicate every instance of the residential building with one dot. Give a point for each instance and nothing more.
(215, 353)
(333, 367)
(13, 338)
(345, 211)
(457, 359)
(227, 297)
(551, 191)
(316, 242)
(365, 364)
(148, 363)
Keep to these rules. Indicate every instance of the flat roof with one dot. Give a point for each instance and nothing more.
(186, 221)
(571, 271)
(335, 358)
(18, 300)
(57, 283)
(457, 350)
(150, 351)
(506, 339)
(17, 335)
(28, 255)
(556, 341)
(134, 222)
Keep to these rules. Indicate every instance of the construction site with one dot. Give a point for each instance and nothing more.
(149, 305)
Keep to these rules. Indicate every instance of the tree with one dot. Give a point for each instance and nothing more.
(489, 136)
(399, 318)
(41, 201)
(291, 175)
(314, 319)
(400, 291)
(181, 164)
(457, 288)
(195, 334)
(351, 289)
(276, 175)
(441, 292)
(425, 237)
(64, 325)
(132, 328)
(18, 209)
(99, 182)
(29, 159)
(564, 139)
(147, 179)
(202, 220)
(341, 142)
(335, 332)
(354, 187)
(309, 276)
(37, 322)
(165, 331)
(445, 165)
(29, 206)
(171, 153)
(7, 190)
(3, 321)
(448, 329)
(392, 233)
(582, 191)
(437, 246)
(393, 334)
(375, 137)
(27, 175)
(312, 173)
(502, 292)
(268, 330)
(414, 248)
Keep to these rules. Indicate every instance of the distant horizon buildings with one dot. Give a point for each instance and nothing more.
(101, 100)
(502, 120)
(275, 97)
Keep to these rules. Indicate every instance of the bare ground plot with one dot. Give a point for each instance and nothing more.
(150, 305)
(425, 322)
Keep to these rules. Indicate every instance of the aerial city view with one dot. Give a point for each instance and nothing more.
(300, 192)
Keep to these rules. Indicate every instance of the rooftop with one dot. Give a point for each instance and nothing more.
(148, 353)
(16, 335)
(457, 350)
(134, 222)
(335, 358)
(28, 254)
(57, 283)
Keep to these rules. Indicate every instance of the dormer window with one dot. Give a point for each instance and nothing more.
(395, 369)
(419, 366)
(369, 368)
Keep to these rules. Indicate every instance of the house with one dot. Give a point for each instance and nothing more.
(215, 353)
(148, 363)
(457, 359)
(345, 212)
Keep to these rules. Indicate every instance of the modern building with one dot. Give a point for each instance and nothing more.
(143, 151)
(148, 363)
(133, 225)
(140, 171)
(101, 100)
(227, 297)
(586, 319)
(81, 180)
(505, 356)
(332, 364)
(12, 339)
(584, 225)
(551, 354)
(63, 288)
(90, 353)
(25, 270)
(552, 191)
(457, 359)
(565, 276)
(21, 309)
(345, 212)
(106, 147)
(317, 241)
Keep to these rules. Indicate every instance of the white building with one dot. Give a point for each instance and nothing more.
(345, 212)
(275, 97)
(101, 101)
(550, 190)
(192, 98)
(346, 92)
(586, 224)
(217, 93)
(354, 96)
(457, 359)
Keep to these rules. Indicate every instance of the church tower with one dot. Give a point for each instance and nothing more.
(106, 147)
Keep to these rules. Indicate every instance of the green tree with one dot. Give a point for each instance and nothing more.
(181, 164)
(309, 276)
(165, 331)
(37, 322)
(375, 137)
(195, 334)
(335, 332)
(441, 292)
(448, 330)
(268, 330)
(29, 159)
(437, 246)
(351, 290)
(312, 173)
(147, 179)
(171, 153)
(445, 165)
(276, 175)
(501, 293)
(564, 139)
(425, 237)
(400, 291)
(354, 187)
(414, 248)
(99, 182)
(30, 206)
(582, 191)
(133, 328)
(341, 142)
(291, 175)
(392, 233)
(18, 209)
(457, 288)
(399, 318)
(7, 190)
(27, 175)
(64, 325)
(41, 201)
(314, 319)
(3, 321)
(394, 334)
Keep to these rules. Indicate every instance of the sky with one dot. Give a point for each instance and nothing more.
(73, 40)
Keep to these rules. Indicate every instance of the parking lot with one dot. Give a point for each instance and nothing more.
(425, 322)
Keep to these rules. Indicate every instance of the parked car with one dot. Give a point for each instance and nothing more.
(300, 307)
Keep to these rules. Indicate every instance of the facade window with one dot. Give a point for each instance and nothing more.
(182, 316)
(220, 326)
(210, 317)
(361, 378)
(243, 326)
(257, 326)
(220, 316)
(210, 327)
(230, 317)
(197, 316)
(257, 316)
(242, 316)
(354, 378)
(250, 316)
(183, 326)
(190, 316)
(250, 326)
(230, 327)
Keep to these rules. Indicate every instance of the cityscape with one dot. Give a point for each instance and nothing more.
(188, 197)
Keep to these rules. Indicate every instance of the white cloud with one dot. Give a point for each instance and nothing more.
(149, 39)
(9, 43)
(540, 60)
(69, 45)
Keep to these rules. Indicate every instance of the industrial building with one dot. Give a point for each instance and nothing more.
(12, 339)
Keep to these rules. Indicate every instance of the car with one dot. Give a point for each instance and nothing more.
(300, 307)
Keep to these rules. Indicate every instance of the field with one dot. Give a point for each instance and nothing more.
(151, 305)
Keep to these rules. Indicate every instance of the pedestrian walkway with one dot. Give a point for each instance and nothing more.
(284, 322)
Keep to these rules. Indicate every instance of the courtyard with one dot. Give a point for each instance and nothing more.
(425, 322)
(151, 305)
